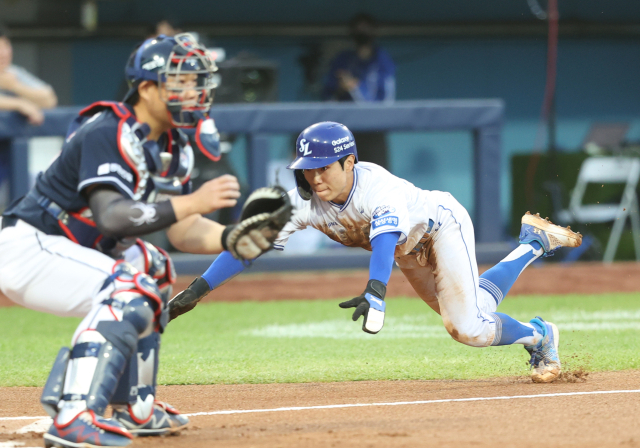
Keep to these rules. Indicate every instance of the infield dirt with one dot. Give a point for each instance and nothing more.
(608, 420)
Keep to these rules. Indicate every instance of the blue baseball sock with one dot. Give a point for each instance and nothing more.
(498, 280)
(510, 331)
(223, 269)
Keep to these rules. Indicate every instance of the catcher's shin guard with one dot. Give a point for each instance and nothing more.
(143, 415)
(137, 386)
(52, 391)
(95, 366)
(100, 354)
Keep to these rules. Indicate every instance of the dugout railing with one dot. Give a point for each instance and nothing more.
(483, 118)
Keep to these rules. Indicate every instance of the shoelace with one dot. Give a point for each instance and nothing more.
(544, 353)
(551, 253)
(536, 357)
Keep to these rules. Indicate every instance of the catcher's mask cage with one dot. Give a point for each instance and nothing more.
(184, 71)
(187, 96)
(320, 145)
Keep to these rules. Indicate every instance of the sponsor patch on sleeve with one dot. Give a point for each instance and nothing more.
(108, 168)
(385, 221)
(382, 210)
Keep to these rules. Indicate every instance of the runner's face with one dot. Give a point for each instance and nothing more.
(328, 182)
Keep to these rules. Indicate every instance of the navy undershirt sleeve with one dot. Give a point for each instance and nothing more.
(383, 248)
(223, 269)
(118, 217)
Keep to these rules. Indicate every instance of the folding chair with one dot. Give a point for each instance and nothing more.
(607, 170)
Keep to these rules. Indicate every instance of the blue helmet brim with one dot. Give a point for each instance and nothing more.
(311, 163)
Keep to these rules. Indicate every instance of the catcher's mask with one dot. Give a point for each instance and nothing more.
(184, 71)
(320, 145)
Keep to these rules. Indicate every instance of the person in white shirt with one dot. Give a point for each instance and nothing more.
(21, 91)
(429, 236)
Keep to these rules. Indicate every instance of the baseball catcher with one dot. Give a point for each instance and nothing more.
(428, 234)
(71, 246)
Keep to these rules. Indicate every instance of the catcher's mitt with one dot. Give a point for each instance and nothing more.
(264, 214)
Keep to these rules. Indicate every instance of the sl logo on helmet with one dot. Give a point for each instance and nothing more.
(304, 147)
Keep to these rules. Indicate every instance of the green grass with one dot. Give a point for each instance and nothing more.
(301, 341)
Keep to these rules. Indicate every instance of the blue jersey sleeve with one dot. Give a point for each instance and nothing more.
(101, 161)
(223, 269)
(383, 249)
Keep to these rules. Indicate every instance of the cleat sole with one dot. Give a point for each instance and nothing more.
(555, 232)
(51, 441)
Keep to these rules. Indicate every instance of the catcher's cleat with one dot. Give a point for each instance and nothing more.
(549, 235)
(179, 421)
(545, 361)
(164, 419)
(87, 430)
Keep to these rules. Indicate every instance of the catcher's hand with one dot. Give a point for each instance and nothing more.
(187, 300)
(371, 305)
(264, 214)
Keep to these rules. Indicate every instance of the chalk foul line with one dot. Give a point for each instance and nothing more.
(403, 403)
(393, 403)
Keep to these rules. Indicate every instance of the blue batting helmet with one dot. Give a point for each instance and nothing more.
(163, 59)
(320, 145)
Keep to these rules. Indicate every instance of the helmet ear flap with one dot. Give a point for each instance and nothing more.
(304, 189)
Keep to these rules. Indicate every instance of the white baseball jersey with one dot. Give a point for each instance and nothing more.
(379, 202)
(443, 272)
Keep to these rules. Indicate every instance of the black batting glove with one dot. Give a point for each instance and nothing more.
(371, 305)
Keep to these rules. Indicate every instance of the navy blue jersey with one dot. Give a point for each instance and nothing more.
(91, 155)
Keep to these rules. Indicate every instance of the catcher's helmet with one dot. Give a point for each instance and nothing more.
(162, 59)
(320, 145)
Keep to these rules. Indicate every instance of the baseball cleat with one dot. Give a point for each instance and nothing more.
(164, 419)
(545, 360)
(87, 430)
(549, 235)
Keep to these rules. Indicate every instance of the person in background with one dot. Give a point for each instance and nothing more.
(167, 28)
(21, 91)
(363, 74)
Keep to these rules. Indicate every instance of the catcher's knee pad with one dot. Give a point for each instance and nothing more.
(158, 264)
(135, 297)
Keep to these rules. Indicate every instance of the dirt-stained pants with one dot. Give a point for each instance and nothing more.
(445, 276)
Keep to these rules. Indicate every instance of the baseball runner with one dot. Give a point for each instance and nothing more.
(428, 234)
(70, 246)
